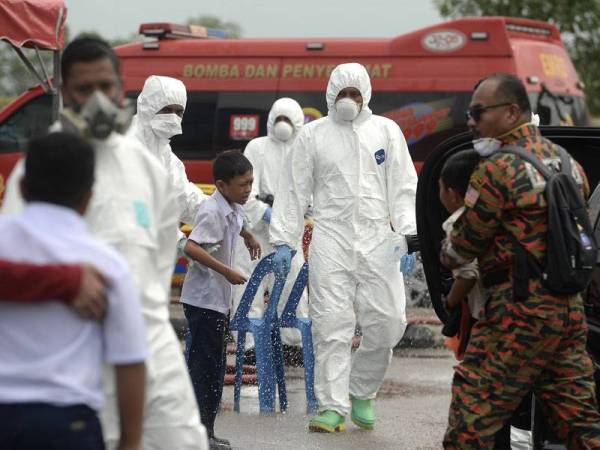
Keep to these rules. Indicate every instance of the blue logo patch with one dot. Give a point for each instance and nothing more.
(380, 156)
(142, 215)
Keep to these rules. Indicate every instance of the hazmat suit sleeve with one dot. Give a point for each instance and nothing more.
(13, 202)
(401, 181)
(167, 236)
(188, 195)
(294, 193)
(254, 208)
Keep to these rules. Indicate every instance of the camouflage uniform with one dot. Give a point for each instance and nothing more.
(535, 343)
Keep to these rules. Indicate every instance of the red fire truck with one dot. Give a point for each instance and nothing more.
(422, 80)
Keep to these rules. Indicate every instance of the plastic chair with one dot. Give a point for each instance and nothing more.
(267, 339)
(304, 324)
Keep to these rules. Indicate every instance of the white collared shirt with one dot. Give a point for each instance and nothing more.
(48, 353)
(476, 297)
(216, 223)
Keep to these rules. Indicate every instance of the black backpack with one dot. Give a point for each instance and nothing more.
(571, 247)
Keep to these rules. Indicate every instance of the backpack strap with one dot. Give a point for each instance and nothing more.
(565, 161)
(525, 265)
(531, 158)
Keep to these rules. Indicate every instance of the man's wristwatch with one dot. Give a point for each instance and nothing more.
(412, 243)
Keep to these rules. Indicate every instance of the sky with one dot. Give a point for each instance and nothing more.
(258, 18)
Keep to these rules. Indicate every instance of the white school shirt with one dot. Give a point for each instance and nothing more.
(476, 297)
(48, 353)
(216, 223)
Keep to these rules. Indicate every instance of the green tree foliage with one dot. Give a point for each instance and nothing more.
(578, 20)
(15, 78)
(232, 29)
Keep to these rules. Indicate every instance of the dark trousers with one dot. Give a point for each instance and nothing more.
(207, 360)
(39, 426)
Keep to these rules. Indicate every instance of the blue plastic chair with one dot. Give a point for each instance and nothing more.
(304, 324)
(267, 340)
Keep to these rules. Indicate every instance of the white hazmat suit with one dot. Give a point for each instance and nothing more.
(362, 179)
(132, 209)
(154, 134)
(268, 154)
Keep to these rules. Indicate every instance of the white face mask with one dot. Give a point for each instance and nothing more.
(283, 131)
(347, 109)
(166, 125)
(486, 146)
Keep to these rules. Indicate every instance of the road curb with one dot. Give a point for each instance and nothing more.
(423, 329)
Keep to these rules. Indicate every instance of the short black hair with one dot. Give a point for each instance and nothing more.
(510, 89)
(229, 164)
(59, 169)
(458, 168)
(87, 49)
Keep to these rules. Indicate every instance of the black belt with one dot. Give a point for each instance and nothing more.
(496, 277)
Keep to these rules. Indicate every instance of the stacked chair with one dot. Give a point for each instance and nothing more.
(267, 337)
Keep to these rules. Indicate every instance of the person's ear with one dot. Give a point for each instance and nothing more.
(514, 113)
(455, 195)
(220, 184)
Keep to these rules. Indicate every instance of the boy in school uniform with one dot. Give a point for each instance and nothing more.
(51, 358)
(207, 290)
(453, 183)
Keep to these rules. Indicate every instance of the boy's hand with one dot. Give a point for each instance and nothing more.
(235, 277)
(253, 246)
(445, 258)
(90, 301)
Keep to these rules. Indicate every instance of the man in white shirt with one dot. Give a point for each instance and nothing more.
(50, 357)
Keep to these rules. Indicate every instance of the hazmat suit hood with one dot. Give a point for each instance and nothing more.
(289, 108)
(157, 93)
(349, 75)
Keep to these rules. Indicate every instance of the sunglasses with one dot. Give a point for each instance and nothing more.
(475, 112)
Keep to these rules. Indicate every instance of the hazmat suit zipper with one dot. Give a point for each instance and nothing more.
(356, 212)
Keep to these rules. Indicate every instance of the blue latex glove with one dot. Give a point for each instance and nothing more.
(267, 215)
(282, 260)
(408, 263)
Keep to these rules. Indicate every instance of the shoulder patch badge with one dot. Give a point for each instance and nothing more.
(142, 215)
(380, 156)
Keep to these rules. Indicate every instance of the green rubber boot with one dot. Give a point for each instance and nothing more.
(363, 414)
(327, 422)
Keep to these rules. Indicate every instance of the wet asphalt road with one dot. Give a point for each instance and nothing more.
(411, 409)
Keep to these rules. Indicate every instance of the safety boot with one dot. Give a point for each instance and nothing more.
(362, 413)
(328, 421)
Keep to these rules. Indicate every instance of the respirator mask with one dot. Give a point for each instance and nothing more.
(347, 109)
(283, 131)
(166, 126)
(97, 118)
